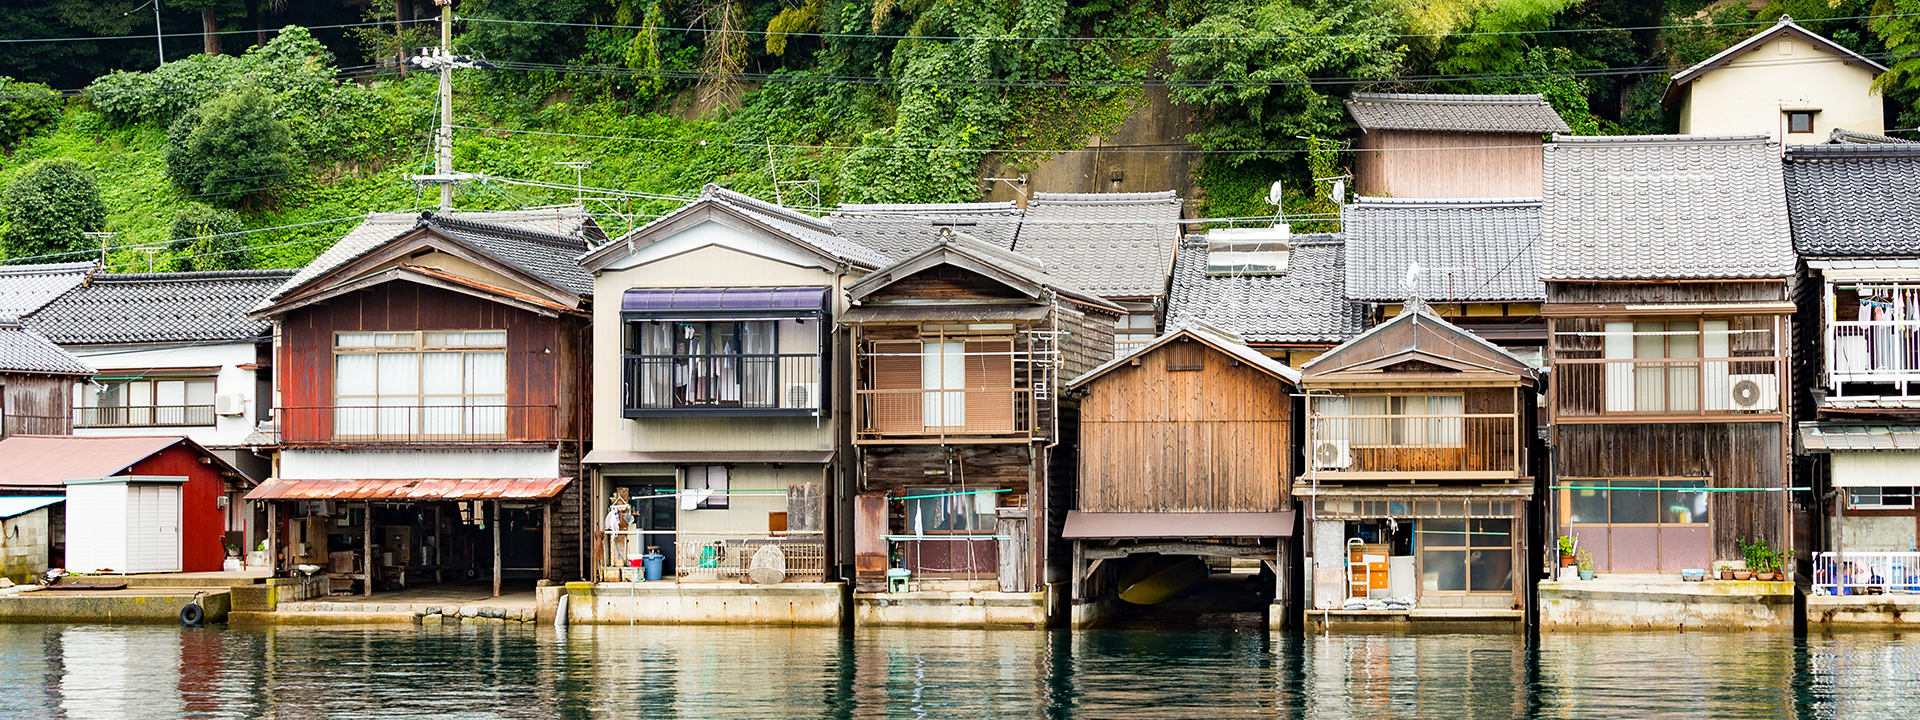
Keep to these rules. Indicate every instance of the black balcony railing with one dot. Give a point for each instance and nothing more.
(144, 416)
(719, 384)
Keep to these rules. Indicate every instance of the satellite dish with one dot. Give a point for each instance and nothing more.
(1273, 194)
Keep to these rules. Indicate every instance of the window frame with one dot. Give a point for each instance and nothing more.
(705, 476)
(151, 410)
(1793, 115)
(1465, 552)
(978, 523)
(418, 344)
(635, 355)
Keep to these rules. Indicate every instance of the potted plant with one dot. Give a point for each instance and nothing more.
(1758, 557)
(1567, 549)
(1586, 565)
(1724, 571)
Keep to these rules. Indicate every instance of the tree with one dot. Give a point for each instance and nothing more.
(230, 147)
(25, 108)
(208, 239)
(49, 208)
(211, 12)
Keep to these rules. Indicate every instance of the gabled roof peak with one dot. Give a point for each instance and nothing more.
(1784, 26)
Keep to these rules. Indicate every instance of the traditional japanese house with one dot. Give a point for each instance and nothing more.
(1668, 264)
(1283, 294)
(36, 378)
(1474, 261)
(1119, 246)
(1417, 485)
(1448, 145)
(963, 438)
(433, 403)
(1786, 82)
(1186, 455)
(1857, 341)
(722, 406)
(177, 355)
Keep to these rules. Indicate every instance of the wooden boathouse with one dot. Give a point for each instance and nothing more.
(1185, 451)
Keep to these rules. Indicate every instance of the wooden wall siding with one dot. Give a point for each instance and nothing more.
(570, 533)
(1418, 164)
(1089, 340)
(1732, 455)
(546, 374)
(945, 282)
(1155, 440)
(892, 467)
(1579, 389)
(1674, 292)
(36, 404)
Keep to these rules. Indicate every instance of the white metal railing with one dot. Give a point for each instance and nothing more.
(1873, 351)
(721, 557)
(1861, 573)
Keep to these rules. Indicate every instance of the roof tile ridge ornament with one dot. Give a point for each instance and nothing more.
(1413, 305)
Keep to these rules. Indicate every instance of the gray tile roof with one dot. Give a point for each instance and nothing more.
(566, 226)
(1455, 113)
(1485, 250)
(24, 288)
(159, 308)
(1854, 200)
(903, 229)
(543, 254)
(1843, 136)
(1664, 207)
(1304, 305)
(1115, 245)
(25, 351)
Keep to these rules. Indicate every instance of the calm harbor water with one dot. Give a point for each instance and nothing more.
(99, 671)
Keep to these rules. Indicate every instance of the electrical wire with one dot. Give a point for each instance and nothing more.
(150, 36)
(1161, 38)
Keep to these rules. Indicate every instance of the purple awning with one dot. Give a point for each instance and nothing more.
(709, 300)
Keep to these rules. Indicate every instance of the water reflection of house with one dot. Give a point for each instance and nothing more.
(1853, 208)
(721, 407)
(1186, 447)
(1419, 437)
(1667, 262)
(432, 401)
(964, 441)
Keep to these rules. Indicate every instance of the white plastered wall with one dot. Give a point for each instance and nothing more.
(227, 430)
(1747, 96)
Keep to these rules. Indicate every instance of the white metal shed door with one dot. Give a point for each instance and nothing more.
(153, 528)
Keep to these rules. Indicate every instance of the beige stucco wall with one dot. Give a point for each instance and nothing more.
(1747, 95)
(706, 255)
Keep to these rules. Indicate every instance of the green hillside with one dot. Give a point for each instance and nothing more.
(880, 100)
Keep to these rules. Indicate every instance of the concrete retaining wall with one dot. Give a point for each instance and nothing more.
(1595, 605)
(1863, 612)
(698, 603)
(55, 606)
(978, 609)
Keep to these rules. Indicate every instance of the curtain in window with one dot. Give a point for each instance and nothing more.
(656, 371)
(759, 369)
(1445, 431)
(1372, 431)
(486, 390)
(943, 367)
(441, 386)
(1619, 346)
(399, 378)
(1332, 428)
(355, 383)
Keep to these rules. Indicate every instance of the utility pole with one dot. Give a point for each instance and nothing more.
(444, 62)
(443, 164)
(159, 39)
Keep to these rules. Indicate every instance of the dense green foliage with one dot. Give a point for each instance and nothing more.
(230, 147)
(49, 209)
(837, 100)
(208, 238)
(25, 108)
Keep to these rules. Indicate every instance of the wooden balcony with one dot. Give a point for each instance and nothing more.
(970, 414)
(1665, 388)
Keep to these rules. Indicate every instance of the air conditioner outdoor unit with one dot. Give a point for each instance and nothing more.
(801, 395)
(229, 404)
(1754, 393)
(1331, 455)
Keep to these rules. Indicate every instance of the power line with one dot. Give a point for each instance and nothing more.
(1161, 38)
(150, 36)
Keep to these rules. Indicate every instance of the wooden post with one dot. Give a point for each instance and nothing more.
(366, 551)
(1079, 570)
(1280, 571)
(546, 541)
(496, 547)
(273, 537)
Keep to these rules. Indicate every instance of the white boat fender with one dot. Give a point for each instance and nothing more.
(560, 614)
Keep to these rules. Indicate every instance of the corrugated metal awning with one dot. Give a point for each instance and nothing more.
(710, 457)
(944, 314)
(1829, 437)
(411, 489)
(1104, 525)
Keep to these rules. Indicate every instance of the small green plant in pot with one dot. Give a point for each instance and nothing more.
(1726, 571)
(1567, 548)
(1586, 565)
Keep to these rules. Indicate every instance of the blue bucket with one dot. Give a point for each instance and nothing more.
(653, 563)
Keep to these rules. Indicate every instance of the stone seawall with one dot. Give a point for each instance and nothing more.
(1605, 604)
